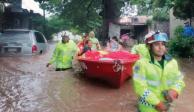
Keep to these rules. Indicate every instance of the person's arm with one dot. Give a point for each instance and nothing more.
(85, 49)
(107, 46)
(54, 56)
(81, 52)
(140, 84)
(98, 45)
(178, 83)
(120, 47)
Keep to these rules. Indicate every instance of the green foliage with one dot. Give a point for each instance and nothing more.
(178, 31)
(161, 14)
(53, 24)
(83, 15)
(149, 22)
(159, 9)
(180, 45)
(144, 6)
(57, 23)
(183, 9)
(147, 7)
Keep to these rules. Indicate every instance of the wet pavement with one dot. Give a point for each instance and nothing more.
(26, 85)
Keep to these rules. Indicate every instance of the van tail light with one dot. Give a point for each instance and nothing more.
(34, 49)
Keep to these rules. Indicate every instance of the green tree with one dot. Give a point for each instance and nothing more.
(147, 7)
(159, 9)
(86, 15)
(161, 14)
(180, 45)
(183, 9)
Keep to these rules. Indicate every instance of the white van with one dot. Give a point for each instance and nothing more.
(22, 42)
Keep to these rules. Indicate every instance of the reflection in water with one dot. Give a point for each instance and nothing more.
(19, 86)
(11, 96)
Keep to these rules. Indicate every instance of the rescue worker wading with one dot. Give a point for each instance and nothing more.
(157, 81)
(63, 54)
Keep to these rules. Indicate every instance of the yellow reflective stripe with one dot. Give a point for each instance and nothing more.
(138, 76)
(150, 82)
(172, 81)
(180, 77)
(178, 86)
(153, 83)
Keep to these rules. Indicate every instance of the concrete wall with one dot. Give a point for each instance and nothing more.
(161, 26)
(176, 22)
(114, 30)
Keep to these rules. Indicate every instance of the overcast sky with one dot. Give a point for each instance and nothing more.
(31, 5)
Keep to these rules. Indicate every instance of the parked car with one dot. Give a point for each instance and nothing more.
(22, 42)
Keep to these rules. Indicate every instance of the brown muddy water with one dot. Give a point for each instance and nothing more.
(26, 85)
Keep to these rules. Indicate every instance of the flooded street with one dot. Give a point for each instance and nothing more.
(26, 85)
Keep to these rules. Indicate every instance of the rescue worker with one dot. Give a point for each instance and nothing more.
(157, 81)
(94, 40)
(63, 54)
(142, 49)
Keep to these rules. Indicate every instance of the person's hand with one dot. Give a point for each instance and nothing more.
(98, 46)
(170, 95)
(162, 107)
(48, 64)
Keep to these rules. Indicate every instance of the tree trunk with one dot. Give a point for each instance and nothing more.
(109, 14)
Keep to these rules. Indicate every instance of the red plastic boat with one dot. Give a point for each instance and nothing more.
(114, 69)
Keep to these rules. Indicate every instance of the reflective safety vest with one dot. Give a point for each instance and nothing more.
(142, 50)
(151, 79)
(63, 54)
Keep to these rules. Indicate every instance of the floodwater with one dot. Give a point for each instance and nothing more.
(26, 85)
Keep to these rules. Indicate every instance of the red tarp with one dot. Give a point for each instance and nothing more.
(121, 55)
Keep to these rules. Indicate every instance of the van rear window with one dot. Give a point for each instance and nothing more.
(15, 35)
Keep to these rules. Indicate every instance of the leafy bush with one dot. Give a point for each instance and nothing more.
(160, 14)
(181, 46)
(178, 31)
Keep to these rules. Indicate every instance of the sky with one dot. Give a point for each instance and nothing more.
(31, 5)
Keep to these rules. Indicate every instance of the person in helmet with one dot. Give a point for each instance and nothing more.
(142, 49)
(63, 54)
(158, 80)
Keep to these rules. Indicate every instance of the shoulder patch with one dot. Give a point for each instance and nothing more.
(136, 68)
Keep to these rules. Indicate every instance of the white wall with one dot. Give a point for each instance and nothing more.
(174, 23)
(114, 30)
